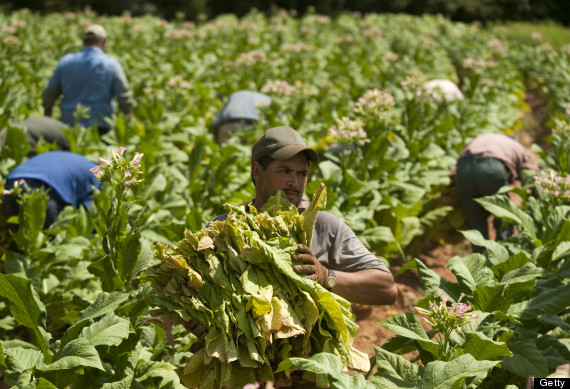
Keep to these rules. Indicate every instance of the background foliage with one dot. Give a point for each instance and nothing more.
(462, 10)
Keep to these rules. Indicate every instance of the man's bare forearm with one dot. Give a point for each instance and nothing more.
(369, 287)
(48, 101)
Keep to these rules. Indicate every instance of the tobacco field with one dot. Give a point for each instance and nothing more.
(79, 306)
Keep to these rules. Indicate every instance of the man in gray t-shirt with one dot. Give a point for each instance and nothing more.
(337, 259)
(239, 111)
(41, 128)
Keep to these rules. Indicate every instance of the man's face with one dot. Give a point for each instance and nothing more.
(289, 175)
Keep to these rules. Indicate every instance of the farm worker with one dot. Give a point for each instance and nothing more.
(41, 127)
(64, 175)
(90, 78)
(239, 111)
(442, 89)
(337, 259)
(487, 163)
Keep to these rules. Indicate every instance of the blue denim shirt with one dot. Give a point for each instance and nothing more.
(65, 172)
(92, 78)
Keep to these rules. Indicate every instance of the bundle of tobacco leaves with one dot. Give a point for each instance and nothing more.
(236, 278)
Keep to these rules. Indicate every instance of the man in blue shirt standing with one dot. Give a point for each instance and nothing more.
(90, 78)
(66, 176)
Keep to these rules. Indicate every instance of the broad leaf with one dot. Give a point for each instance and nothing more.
(433, 283)
(77, 353)
(128, 257)
(20, 362)
(471, 272)
(105, 269)
(490, 298)
(26, 307)
(561, 250)
(513, 262)
(164, 371)
(106, 302)
(376, 237)
(408, 326)
(327, 365)
(393, 365)
(549, 303)
(483, 348)
(109, 331)
(501, 206)
(526, 360)
(442, 375)
(495, 251)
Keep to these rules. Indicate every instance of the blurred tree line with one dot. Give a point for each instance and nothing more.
(457, 10)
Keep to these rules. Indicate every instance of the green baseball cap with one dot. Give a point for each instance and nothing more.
(281, 143)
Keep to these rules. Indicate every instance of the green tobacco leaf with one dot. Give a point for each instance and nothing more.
(483, 348)
(327, 365)
(499, 297)
(551, 302)
(20, 362)
(495, 251)
(555, 321)
(145, 259)
(105, 269)
(44, 384)
(16, 145)
(26, 307)
(32, 215)
(561, 250)
(393, 365)
(431, 218)
(501, 206)
(409, 230)
(513, 262)
(106, 302)
(471, 271)
(166, 372)
(125, 383)
(526, 360)
(526, 272)
(77, 353)
(433, 283)
(376, 237)
(381, 382)
(109, 331)
(128, 257)
(554, 351)
(310, 214)
(442, 375)
(410, 265)
(407, 325)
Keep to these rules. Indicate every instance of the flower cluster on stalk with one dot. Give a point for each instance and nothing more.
(445, 319)
(278, 87)
(553, 184)
(374, 101)
(247, 59)
(118, 171)
(178, 81)
(348, 131)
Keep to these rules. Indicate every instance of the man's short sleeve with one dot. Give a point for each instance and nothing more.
(335, 244)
